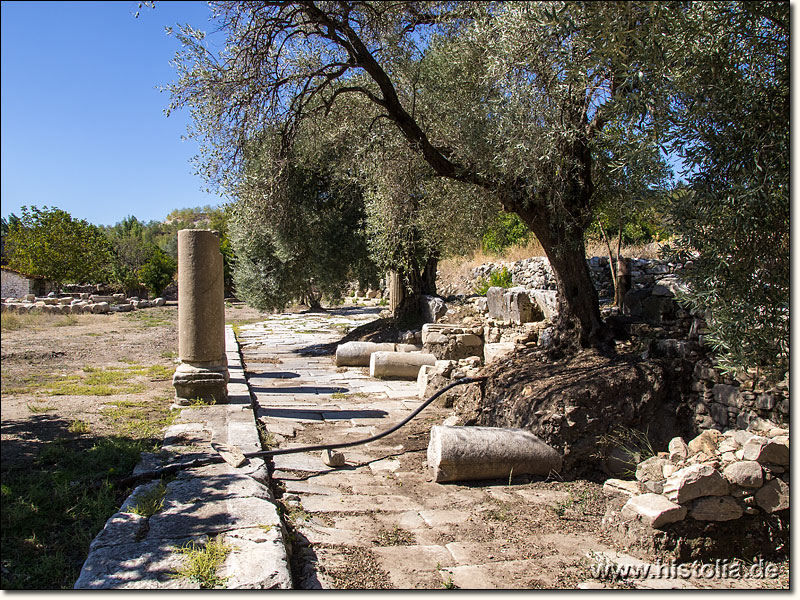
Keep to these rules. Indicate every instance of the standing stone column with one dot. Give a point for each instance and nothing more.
(203, 372)
(396, 291)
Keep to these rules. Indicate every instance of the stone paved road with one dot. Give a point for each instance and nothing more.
(378, 522)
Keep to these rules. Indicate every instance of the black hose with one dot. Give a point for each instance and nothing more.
(200, 462)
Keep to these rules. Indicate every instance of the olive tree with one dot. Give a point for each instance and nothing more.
(297, 231)
(509, 98)
(731, 128)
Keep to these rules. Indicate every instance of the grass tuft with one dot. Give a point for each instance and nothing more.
(202, 562)
(151, 501)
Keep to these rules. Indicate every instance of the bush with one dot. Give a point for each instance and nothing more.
(501, 278)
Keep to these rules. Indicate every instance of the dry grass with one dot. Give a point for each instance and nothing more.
(455, 272)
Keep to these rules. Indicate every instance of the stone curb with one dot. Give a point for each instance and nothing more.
(138, 552)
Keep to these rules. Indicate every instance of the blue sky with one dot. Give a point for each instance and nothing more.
(83, 125)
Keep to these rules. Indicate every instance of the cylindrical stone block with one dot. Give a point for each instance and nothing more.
(398, 365)
(201, 297)
(476, 453)
(356, 354)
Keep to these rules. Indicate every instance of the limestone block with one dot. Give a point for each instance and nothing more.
(432, 308)
(468, 339)
(494, 302)
(96, 298)
(694, 482)
(716, 508)
(707, 442)
(517, 306)
(774, 496)
(746, 474)
(653, 510)
(477, 453)
(101, 308)
(615, 488)
(492, 352)
(65, 301)
(400, 365)
(547, 301)
(651, 469)
(767, 451)
(742, 436)
(669, 286)
(423, 377)
(332, 458)
(356, 354)
(159, 301)
(678, 449)
(32, 297)
(407, 347)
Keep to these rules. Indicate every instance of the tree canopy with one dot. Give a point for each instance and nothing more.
(731, 127)
(50, 243)
(530, 88)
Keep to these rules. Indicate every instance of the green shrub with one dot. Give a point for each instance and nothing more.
(506, 230)
(501, 278)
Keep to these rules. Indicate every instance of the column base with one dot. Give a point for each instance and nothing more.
(203, 382)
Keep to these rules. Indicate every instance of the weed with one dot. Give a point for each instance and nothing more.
(574, 502)
(265, 436)
(151, 501)
(14, 322)
(635, 446)
(202, 562)
(39, 408)
(79, 427)
(450, 584)
(169, 354)
(266, 528)
(501, 278)
(297, 513)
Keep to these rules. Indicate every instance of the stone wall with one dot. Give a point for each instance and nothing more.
(16, 284)
(715, 478)
(535, 273)
(664, 329)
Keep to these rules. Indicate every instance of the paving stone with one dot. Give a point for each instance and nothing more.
(390, 464)
(261, 563)
(315, 534)
(300, 462)
(516, 574)
(357, 504)
(410, 520)
(142, 565)
(202, 517)
(407, 564)
(436, 518)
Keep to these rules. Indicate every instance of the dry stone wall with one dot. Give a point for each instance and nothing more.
(717, 477)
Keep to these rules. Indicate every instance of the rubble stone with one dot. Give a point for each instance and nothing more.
(653, 510)
(694, 482)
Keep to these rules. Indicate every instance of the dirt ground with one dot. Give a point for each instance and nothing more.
(54, 369)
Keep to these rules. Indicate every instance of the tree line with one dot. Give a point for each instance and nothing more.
(131, 256)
